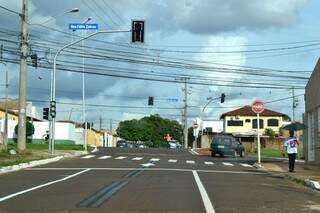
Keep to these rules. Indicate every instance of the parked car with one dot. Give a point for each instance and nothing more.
(122, 143)
(174, 145)
(226, 145)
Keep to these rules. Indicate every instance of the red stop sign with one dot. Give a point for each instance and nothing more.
(257, 107)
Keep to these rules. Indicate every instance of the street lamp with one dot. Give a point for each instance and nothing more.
(53, 76)
(74, 10)
(6, 107)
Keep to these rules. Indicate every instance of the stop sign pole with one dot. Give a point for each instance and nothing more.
(258, 107)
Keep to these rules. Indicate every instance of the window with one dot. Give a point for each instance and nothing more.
(235, 123)
(248, 120)
(254, 123)
(273, 122)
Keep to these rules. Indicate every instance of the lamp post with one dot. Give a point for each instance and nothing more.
(6, 107)
(73, 10)
(53, 75)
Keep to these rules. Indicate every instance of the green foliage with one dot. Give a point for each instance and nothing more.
(150, 129)
(29, 129)
(269, 132)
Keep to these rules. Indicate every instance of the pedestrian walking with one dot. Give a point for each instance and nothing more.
(291, 147)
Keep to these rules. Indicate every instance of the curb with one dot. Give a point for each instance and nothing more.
(193, 152)
(21, 166)
(312, 184)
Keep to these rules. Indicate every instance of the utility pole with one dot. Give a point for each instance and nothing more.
(23, 77)
(100, 121)
(185, 114)
(294, 104)
(110, 125)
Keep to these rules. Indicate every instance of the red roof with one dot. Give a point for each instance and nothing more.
(247, 111)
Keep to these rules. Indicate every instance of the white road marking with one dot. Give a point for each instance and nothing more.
(208, 163)
(172, 161)
(104, 157)
(227, 164)
(190, 161)
(120, 158)
(205, 197)
(42, 185)
(154, 159)
(137, 158)
(193, 152)
(88, 156)
(147, 164)
(151, 169)
(246, 165)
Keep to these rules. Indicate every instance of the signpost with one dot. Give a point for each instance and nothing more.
(258, 107)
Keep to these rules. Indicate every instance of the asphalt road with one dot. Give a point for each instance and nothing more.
(152, 180)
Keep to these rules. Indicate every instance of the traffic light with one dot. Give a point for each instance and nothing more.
(222, 97)
(53, 109)
(137, 30)
(150, 101)
(34, 60)
(45, 114)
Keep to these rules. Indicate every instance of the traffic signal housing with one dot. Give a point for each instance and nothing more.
(45, 114)
(34, 60)
(222, 97)
(53, 109)
(150, 101)
(137, 30)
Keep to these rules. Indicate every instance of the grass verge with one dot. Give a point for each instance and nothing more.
(277, 153)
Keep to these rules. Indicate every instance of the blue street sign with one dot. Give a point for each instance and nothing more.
(77, 26)
(172, 99)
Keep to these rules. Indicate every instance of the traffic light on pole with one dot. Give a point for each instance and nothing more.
(45, 114)
(222, 97)
(53, 109)
(137, 30)
(34, 60)
(150, 101)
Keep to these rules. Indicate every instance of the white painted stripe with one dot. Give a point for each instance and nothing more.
(208, 163)
(193, 152)
(120, 158)
(205, 197)
(172, 161)
(190, 161)
(151, 169)
(105, 157)
(88, 156)
(154, 159)
(137, 158)
(227, 164)
(41, 186)
(246, 165)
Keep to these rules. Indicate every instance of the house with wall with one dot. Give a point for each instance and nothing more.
(205, 130)
(242, 123)
(312, 117)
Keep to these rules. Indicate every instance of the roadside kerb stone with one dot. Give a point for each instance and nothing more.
(20, 166)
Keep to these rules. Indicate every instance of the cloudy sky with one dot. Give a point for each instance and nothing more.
(246, 49)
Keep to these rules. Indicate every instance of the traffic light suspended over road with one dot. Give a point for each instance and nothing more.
(222, 97)
(150, 101)
(137, 29)
(45, 114)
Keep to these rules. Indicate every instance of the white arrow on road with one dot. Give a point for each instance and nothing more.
(147, 164)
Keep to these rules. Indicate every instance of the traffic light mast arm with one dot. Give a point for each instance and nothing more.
(212, 99)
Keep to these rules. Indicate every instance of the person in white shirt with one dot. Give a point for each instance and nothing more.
(291, 147)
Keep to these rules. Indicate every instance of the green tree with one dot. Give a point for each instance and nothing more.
(29, 129)
(269, 132)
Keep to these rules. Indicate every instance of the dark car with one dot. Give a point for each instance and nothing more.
(122, 143)
(226, 145)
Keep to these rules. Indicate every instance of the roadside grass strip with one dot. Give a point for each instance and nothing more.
(104, 157)
(120, 158)
(190, 161)
(154, 159)
(246, 165)
(172, 161)
(88, 156)
(208, 163)
(205, 197)
(137, 158)
(227, 164)
(43, 185)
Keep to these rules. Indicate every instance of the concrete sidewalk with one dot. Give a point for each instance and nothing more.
(307, 174)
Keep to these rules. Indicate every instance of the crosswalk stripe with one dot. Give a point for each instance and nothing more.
(154, 159)
(137, 158)
(105, 157)
(227, 164)
(120, 158)
(88, 156)
(208, 163)
(246, 165)
(190, 161)
(172, 161)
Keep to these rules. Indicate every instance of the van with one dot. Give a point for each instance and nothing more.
(226, 145)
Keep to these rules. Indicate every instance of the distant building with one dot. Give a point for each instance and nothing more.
(205, 131)
(312, 117)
